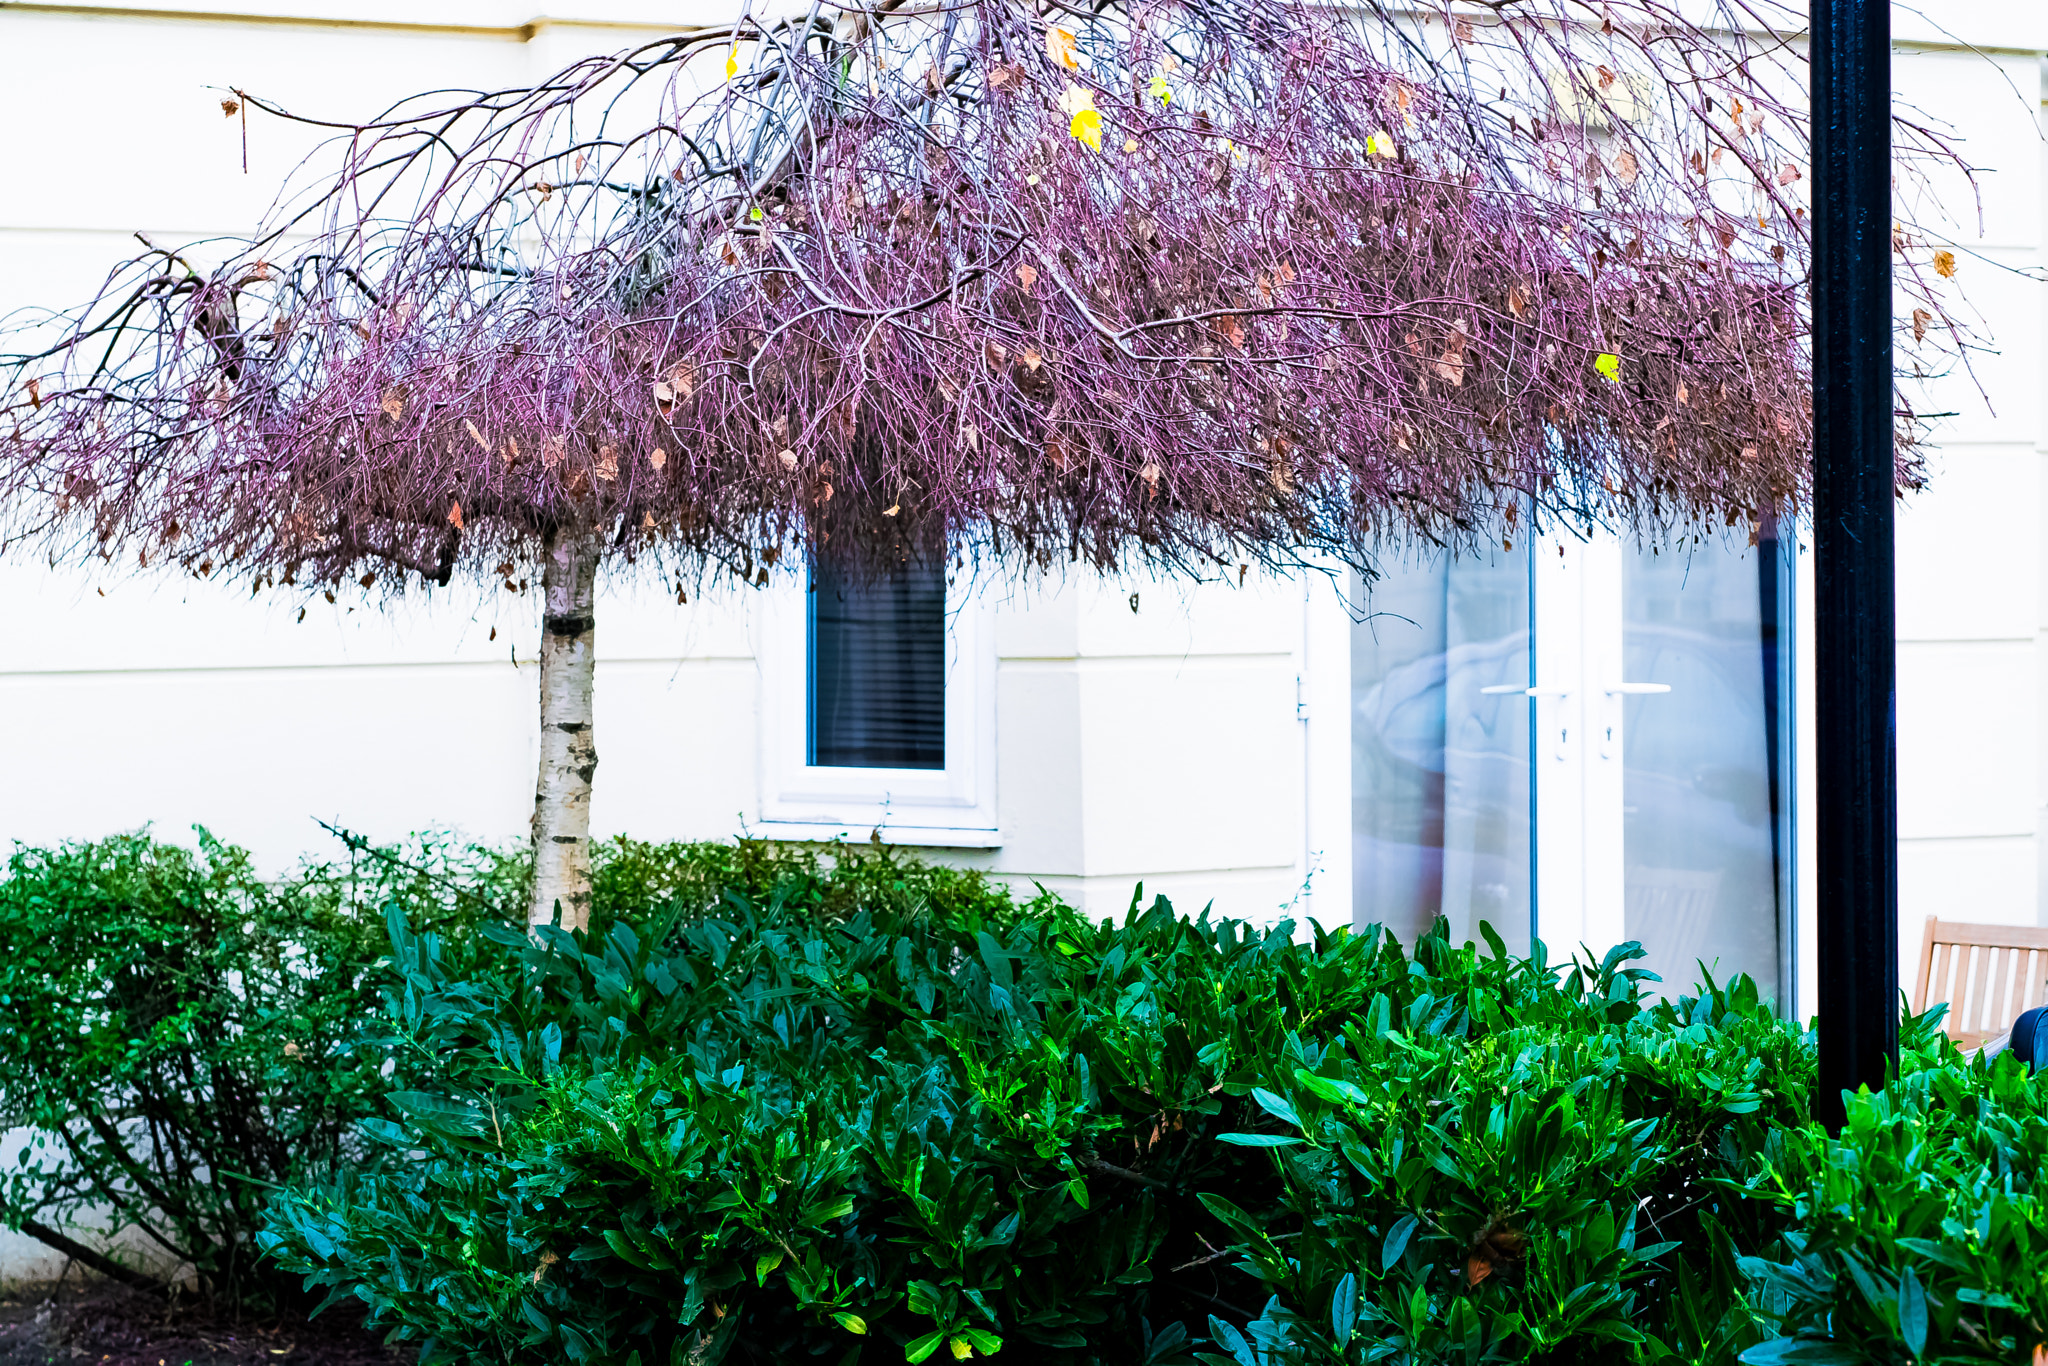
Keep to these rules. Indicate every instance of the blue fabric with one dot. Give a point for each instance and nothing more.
(2024, 1030)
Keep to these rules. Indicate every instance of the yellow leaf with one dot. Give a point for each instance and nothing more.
(732, 62)
(1130, 145)
(1158, 90)
(1087, 126)
(962, 1349)
(1609, 365)
(1380, 145)
(1945, 264)
(1059, 45)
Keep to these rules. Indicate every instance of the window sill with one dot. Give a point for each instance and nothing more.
(921, 836)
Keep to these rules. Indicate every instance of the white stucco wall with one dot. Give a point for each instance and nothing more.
(1971, 605)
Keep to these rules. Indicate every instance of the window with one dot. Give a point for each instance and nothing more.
(877, 670)
(1586, 741)
(878, 709)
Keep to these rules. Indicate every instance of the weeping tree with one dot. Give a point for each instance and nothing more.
(1185, 283)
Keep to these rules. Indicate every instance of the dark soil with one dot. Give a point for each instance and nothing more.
(101, 1324)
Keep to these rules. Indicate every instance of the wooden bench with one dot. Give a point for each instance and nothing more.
(1988, 974)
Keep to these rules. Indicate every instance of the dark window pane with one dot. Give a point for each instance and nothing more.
(878, 669)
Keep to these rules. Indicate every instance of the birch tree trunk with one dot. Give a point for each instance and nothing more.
(568, 749)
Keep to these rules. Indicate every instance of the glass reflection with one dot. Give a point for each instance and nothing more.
(1702, 818)
(1440, 747)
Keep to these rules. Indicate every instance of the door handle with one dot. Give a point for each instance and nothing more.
(1625, 690)
(1564, 732)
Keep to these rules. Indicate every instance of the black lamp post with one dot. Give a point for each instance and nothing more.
(1855, 755)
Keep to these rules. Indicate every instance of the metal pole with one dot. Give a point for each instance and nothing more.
(1856, 769)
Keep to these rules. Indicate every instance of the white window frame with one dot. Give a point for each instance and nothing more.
(953, 807)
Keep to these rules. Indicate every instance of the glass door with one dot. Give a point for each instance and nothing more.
(1585, 740)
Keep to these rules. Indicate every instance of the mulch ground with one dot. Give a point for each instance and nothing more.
(100, 1324)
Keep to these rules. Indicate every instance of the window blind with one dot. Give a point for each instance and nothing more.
(877, 688)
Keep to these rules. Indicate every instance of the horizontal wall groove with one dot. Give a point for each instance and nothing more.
(352, 666)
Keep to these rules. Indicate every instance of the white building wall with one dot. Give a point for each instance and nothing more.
(1971, 602)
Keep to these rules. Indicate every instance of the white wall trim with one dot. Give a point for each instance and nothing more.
(953, 807)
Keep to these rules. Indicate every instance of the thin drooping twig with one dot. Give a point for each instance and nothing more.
(1189, 283)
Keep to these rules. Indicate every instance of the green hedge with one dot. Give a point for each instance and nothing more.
(786, 1105)
(182, 1036)
(901, 1128)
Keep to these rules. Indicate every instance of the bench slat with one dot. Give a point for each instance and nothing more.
(1988, 974)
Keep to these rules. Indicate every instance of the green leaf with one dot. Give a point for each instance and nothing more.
(917, 1349)
(766, 1263)
(1261, 1140)
(1275, 1106)
(925, 1299)
(438, 1115)
(624, 1250)
(1397, 1240)
(852, 1323)
(1344, 1310)
(1231, 1341)
(1335, 1091)
(1913, 1313)
(1801, 1352)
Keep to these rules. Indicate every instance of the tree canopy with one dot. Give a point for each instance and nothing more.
(1182, 282)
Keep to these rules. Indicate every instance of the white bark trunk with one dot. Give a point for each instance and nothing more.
(568, 749)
